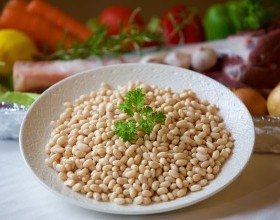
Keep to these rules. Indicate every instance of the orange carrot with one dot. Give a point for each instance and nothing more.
(44, 33)
(60, 18)
(17, 3)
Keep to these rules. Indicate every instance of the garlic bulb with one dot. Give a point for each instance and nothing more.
(204, 59)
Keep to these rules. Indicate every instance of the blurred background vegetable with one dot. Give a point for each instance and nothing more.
(53, 14)
(221, 20)
(250, 14)
(21, 47)
(34, 26)
(273, 101)
(218, 23)
(181, 25)
(116, 17)
(20, 98)
(253, 100)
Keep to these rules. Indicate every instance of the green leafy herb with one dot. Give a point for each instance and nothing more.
(127, 108)
(146, 125)
(126, 130)
(102, 44)
(147, 110)
(135, 98)
(251, 14)
(134, 102)
(158, 117)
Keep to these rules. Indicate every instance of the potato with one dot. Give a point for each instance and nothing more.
(273, 101)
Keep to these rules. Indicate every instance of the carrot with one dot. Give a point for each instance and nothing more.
(60, 18)
(17, 3)
(43, 32)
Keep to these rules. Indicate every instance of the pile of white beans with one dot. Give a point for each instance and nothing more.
(183, 154)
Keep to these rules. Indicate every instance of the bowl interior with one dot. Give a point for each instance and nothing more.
(35, 129)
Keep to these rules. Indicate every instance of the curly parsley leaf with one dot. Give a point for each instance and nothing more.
(146, 125)
(134, 102)
(158, 117)
(126, 130)
(127, 108)
(136, 98)
(147, 111)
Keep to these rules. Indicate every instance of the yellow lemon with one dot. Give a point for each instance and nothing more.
(14, 45)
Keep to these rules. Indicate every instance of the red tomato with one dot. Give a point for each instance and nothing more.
(188, 23)
(116, 16)
(128, 44)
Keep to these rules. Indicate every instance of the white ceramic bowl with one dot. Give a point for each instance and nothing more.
(35, 129)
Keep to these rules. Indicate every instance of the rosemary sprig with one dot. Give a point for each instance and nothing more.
(101, 44)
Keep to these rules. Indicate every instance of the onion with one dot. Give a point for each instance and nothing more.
(253, 100)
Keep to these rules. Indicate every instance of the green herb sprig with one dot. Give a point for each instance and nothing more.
(134, 102)
(101, 44)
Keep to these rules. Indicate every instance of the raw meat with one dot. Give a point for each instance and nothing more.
(38, 76)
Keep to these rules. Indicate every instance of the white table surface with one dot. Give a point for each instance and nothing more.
(255, 194)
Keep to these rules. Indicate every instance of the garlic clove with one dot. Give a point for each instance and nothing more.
(178, 59)
(153, 58)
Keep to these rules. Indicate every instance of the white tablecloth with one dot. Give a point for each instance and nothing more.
(255, 194)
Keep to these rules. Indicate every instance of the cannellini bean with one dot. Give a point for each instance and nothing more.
(147, 193)
(138, 200)
(182, 124)
(215, 154)
(119, 201)
(62, 140)
(130, 150)
(77, 187)
(181, 192)
(195, 187)
(178, 156)
(201, 157)
(83, 147)
(173, 173)
(181, 162)
(153, 164)
(184, 153)
(130, 174)
(162, 190)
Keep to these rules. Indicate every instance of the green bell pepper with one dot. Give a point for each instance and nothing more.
(217, 22)
(222, 20)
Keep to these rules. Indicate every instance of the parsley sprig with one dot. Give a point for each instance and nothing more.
(134, 102)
